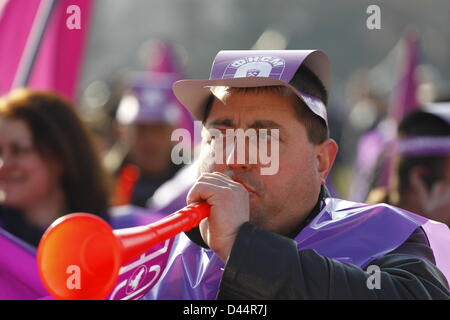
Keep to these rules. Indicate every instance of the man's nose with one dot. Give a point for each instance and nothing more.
(237, 159)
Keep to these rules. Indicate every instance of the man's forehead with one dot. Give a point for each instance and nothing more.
(251, 110)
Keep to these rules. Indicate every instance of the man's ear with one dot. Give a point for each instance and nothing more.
(325, 155)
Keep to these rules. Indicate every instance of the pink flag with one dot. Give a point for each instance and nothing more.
(164, 60)
(376, 147)
(405, 92)
(60, 53)
(404, 100)
(16, 19)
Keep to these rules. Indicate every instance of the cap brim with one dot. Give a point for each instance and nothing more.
(193, 94)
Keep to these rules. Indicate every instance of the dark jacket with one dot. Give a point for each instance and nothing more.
(264, 265)
(14, 222)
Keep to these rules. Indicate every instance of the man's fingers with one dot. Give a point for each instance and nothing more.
(204, 191)
(221, 180)
(218, 175)
(201, 191)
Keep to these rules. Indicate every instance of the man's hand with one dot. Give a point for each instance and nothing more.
(435, 203)
(229, 202)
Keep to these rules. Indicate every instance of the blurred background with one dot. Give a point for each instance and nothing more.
(102, 144)
(375, 72)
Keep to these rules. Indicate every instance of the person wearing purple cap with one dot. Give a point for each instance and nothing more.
(147, 115)
(280, 235)
(421, 179)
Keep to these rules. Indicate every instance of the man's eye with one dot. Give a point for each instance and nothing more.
(264, 135)
(267, 135)
(214, 134)
(217, 133)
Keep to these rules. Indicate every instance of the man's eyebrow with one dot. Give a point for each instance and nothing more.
(221, 122)
(258, 124)
(266, 124)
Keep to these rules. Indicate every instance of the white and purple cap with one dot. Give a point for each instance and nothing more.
(149, 99)
(428, 145)
(256, 68)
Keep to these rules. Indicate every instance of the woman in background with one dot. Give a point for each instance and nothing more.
(48, 164)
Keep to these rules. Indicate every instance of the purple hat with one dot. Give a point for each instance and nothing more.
(256, 68)
(428, 145)
(149, 99)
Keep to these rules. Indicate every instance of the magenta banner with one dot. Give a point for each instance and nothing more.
(60, 53)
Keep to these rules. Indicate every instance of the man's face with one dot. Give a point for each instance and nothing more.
(278, 202)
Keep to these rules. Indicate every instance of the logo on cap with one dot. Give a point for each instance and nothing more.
(255, 66)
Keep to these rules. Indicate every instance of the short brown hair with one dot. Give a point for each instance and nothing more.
(58, 133)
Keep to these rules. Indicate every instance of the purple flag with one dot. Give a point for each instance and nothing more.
(19, 277)
(164, 61)
(405, 99)
(381, 141)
